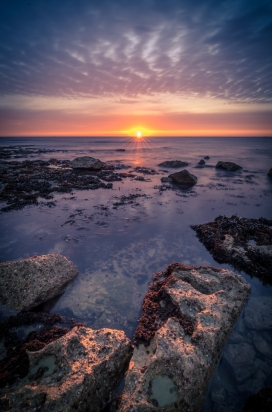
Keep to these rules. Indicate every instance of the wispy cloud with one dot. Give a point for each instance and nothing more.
(212, 49)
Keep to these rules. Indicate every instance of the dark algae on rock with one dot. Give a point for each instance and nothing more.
(28, 331)
(157, 308)
(59, 365)
(244, 243)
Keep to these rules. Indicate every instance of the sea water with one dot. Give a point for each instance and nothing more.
(117, 249)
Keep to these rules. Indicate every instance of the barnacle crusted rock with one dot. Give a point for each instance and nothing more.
(79, 371)
(187, 317)
(245, 243)
(30, 282)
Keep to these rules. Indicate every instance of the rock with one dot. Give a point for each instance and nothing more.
(86, 162)
(261, 345)
(263, 366)
(229, 240)
(30, 282)
(120, 150)
(173, 163)
(258, 313)
(262, 401)
(232, 167)
(206, 157)
(241, 358)
(202, 162)
(166, 179)
(183, 178)
(187, 317)
(80, 370)
(269, 172)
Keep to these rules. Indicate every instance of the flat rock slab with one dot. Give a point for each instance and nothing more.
(80, 370)
(230, 166)
(30, 282)
(183, 178)
(187, 317)
(244, 243)
(86, 162)
(173, 163)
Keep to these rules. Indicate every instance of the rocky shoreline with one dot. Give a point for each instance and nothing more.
(48, 362)
(52, 363)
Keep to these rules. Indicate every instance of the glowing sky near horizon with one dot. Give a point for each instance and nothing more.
(113, 67)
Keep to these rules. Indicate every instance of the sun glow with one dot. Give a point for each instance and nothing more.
(139, 134)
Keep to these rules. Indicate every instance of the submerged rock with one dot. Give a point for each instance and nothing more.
(86, 162)
(245, 243)
(258, 313)
(32, 281)
(187, 317)
(183, 178)
(241, 358)
(78, 370)
(173, 163)
(230, 166)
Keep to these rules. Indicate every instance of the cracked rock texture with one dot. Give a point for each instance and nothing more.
(79, 371)
(187, 317)
(30, 282)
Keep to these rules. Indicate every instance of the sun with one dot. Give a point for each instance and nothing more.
(139, 134)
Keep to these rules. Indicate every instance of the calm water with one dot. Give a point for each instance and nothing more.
(117, 250)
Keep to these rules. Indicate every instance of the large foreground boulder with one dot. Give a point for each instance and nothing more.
(65, 370)
(269, 172)
(230, 166)
(30, 282)
(183, 178)
(245, 243)
(173, 163)
(187, 317)
(86, 162)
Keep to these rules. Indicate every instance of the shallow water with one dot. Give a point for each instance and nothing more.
(117, 249)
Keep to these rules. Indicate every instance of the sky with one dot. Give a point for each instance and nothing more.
(115, 67)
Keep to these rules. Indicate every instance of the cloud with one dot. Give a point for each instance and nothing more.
(212, 49)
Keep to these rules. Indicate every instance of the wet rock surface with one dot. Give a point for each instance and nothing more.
(183, 178)
(62, 366)
(30, 282)
(230, 166)
(86, 162)
(244, 243)
(23, 183)
(173, 163)
(261, 402)
(187, 317)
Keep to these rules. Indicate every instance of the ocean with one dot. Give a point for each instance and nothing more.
(118, 240)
